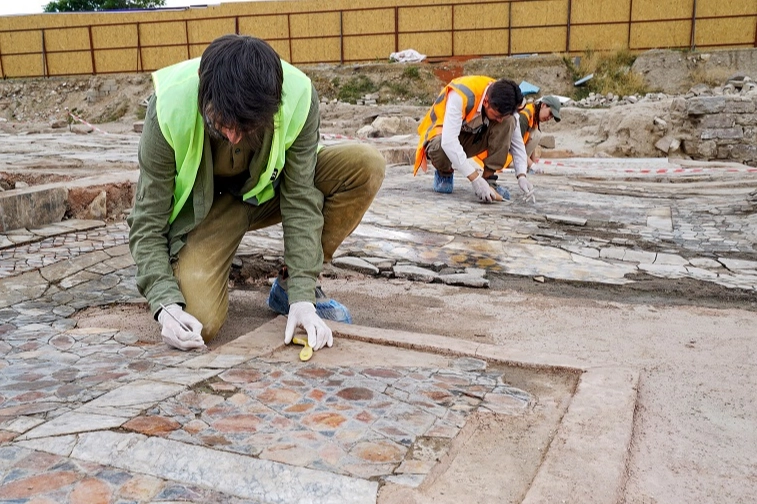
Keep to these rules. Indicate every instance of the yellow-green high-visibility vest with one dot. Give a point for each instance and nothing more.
(176, 92)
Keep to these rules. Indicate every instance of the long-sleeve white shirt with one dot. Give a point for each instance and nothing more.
(453, 124)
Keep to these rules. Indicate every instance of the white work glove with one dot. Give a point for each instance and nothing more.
(302, 314)
(528, 189)
(482, 189)
(183, 338)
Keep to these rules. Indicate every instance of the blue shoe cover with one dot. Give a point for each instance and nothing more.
(502, 191)
(443, 183)
(327, 309)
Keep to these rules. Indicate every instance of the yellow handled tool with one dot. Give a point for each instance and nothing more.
(307, 351)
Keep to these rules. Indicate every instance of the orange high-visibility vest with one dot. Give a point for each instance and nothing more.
(529, 110)
(471, 89)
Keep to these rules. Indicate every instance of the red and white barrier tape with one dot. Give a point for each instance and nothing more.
(656, 171)
(77, 118)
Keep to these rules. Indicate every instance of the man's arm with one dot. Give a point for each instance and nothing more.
(302, 210)
(518, 151)
(148, 221)
(453, 123)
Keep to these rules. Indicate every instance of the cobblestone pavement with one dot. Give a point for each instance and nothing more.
(93, 415)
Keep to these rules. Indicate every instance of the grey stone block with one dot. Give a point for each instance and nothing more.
(722, 133)
(701, 105)
(547, 141)
(465, 279)
(32, 207)
(719, 121)
(740, 106)
(355, 264)
(415, 273)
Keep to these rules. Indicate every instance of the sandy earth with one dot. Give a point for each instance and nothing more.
(695, 432)
(695, 429)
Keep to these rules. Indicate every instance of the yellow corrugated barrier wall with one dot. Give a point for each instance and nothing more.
(344, 31)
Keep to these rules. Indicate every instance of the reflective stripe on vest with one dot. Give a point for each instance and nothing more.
(471, 90)
(176, 93)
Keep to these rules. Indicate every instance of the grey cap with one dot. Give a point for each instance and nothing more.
(554, 105)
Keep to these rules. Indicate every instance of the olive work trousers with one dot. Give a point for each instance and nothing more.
(348, 175)
(495, 141)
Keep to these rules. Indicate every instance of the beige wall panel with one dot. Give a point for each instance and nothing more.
(598, 11)
(368, 48)
(706, 8)
(196, 50)
(316, 50)
(724, 31)
(282, 48)
(155, 34)
(430, 44)
(657, 9)
(116, 60)
(484, 42)
(482, 16)
(23, 66)
(550, 40)
(420, 19)
(67, 39)
(368, 21)
(552, 12)
(660, 34)
(69, 63)
(207, 30)
(154, 58)
(112, 37)
(598, 37)
(315, 25)
(265, 27)
(21, 42)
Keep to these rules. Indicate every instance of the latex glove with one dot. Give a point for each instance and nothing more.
(302, 314)
(482, 189)
(528, 189)
(174, 334)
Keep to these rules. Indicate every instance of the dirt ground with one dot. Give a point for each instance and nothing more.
(695, 428)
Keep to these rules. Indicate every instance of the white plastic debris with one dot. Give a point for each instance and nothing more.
(407, 56)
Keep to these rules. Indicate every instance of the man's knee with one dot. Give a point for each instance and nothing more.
(373, 166)
(211, 317)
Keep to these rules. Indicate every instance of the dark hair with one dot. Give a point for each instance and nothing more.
(240, 84)
(505, 96)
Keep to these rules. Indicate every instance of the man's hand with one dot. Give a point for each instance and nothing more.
(528, 189)
(302, 314)
(482, 189)
(180, 329)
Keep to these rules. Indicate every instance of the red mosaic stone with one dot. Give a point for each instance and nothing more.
(365, 416)
(90, 491)
(219, 411)
(279, 396)
(140, 488)
(378, 452)
(299, 408)
(7, 435)
(39, 484)
(152, 425)
(356, 394)
(438, 395)
(326, 420)
(315, 372)
(31, 396)
(293, 383)
(317, 394)
(275, 374)
(382, 373)
(215, 440)
(37, 461)
(62, 342)
(237, 423)
(241, 376)
(195, 426)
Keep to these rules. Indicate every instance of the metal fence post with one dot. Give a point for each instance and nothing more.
(693, 40)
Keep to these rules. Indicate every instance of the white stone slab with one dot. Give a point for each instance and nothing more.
(704, 262)
(231, 473)
(670, 260)
(183, 376)
(73, 422)
(20, 424)
(737, 264)
(140, 394)
(57, 445)
(216, 361)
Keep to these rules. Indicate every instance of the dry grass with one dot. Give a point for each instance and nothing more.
(612, 74)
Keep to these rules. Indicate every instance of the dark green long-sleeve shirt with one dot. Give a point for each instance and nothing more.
(154, 243)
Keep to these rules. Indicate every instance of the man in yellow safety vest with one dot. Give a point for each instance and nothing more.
(230, 144)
